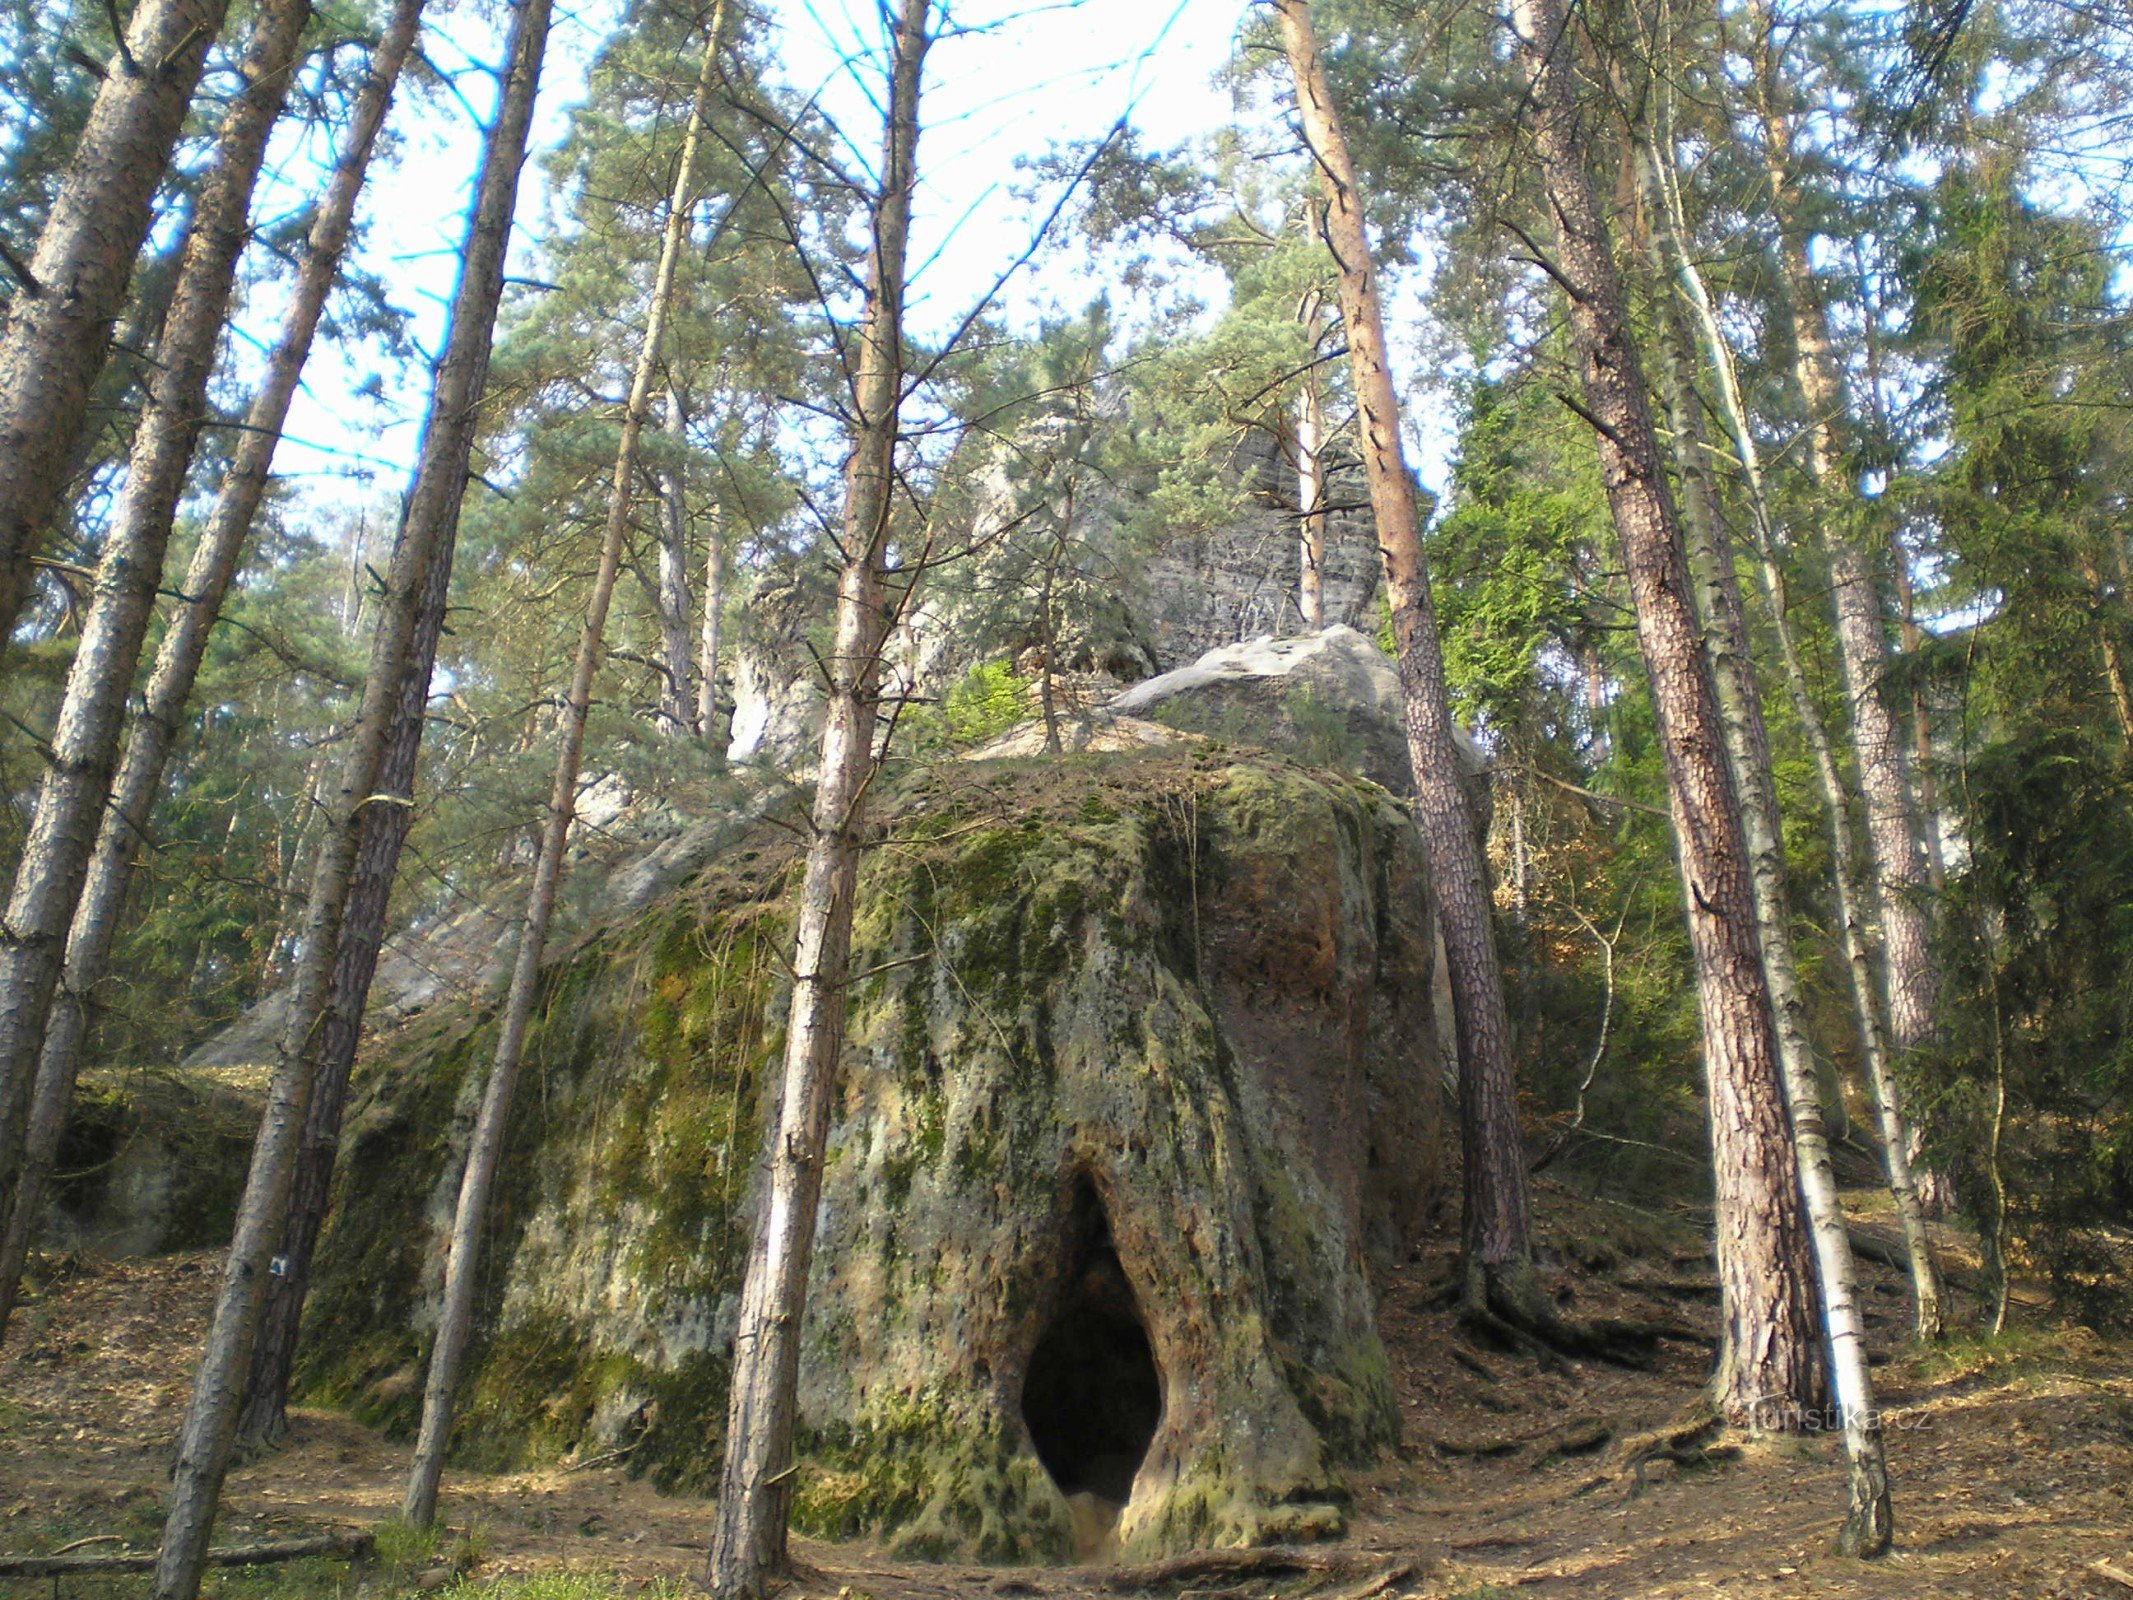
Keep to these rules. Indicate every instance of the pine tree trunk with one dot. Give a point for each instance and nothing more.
(58, 325)
(455, 1319)
(678, 698)
(1497, 1228)
(428, 524)
(264, 1417)
(85, 741)
(1867, 1522)
(748, 1554)
(154, 726)
(1311, 507)
(1888, 1105)
(1768, 1373)
(1901, 884)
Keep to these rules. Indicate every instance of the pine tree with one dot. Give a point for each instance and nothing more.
(60, 317)
(747, 1557)
(1769, 1372)
(429, 522)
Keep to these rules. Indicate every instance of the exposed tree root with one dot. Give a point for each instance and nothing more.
(1508, 1307)
(242, 1555)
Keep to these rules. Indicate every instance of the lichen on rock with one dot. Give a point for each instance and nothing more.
(1140, 1050)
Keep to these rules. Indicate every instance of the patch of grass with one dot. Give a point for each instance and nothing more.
(404, 1544)
(2021, 1352)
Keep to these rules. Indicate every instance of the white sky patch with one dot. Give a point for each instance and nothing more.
(1006, 83)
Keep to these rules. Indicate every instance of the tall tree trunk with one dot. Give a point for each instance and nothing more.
(85, 742)
(678, 697)
(59, 322)
(428, 525)
(154, 726)
(455, 1320)
(1924, 789)
(747, 1556)
(1881, 1085)
(1867, 1522)
(1311, 506)
(1901, 883)
(714, 602)
(263, 1418)
(1496, 1232)
(1768, 1371)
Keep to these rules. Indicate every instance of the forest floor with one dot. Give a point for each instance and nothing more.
(2011, 1460)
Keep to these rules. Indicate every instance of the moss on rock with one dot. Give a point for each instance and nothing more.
(1194, 988)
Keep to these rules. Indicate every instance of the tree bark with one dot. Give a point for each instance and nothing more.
(714, 602)
(455, 1320)
(679, 702)
(77, 781)
(748, 1551)
(1902, 890)
(1768, 1372)
(1881, 1085)
(1867, 1527)
(154, 726)
(59, 324)
(1311, 507)
(429, 523)
(1496, 1231)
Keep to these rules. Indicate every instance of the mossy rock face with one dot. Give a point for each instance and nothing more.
(1138, 1044)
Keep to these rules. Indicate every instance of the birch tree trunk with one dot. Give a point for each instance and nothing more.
(679, 701)
(714, 602)
(1768, 1372)
(455, 1320)
(154, 727)
(1496, 1233)
(428, 525)
(1901, 882)
(85, 741)
(1311, 506)
(1881, 1085)
(59, 323)
(748, 1553)
(1866, 1530)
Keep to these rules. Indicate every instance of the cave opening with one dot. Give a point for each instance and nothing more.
(1094, 1396)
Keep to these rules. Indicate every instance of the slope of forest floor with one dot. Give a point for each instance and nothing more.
(2012, 1462)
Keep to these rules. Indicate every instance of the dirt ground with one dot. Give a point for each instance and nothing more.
(2011, 1461)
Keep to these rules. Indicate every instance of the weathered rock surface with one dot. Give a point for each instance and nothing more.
(1141, 1067)
(1331, 698)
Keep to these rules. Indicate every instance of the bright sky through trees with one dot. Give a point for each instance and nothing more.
(1010, 81)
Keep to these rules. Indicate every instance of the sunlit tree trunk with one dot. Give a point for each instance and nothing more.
(59, 321)
(748, 1553)
(1888, 1105)
(707, 643)
(154, 726)
(1497, 1226)
(85, 740)
(456, 1316)
(1901, 883)
(1311, 506)
(1867, 1522)
(428, 524)
(1769, 1372)
(678, 699)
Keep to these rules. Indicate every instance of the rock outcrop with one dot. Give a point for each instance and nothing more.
(1142, 1066)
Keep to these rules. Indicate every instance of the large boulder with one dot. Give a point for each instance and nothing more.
(1331, 698)
(1141, 1069)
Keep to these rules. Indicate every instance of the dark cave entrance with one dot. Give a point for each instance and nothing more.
(1094, 1395)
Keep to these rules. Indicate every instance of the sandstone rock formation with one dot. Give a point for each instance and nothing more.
(1142, 1067)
